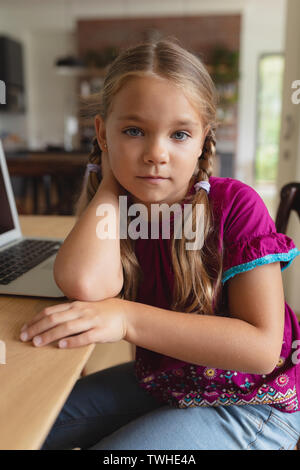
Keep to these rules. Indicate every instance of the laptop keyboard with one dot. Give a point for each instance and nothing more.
(22, 257)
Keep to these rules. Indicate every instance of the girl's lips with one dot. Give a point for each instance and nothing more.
(162, 177)
(152, 180)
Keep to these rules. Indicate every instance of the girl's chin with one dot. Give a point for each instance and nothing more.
(148, 202)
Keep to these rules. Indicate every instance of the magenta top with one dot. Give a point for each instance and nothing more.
(249, 239)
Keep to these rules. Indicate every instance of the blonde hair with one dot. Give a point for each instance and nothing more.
(197, 273)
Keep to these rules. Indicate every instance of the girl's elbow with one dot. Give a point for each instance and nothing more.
(271, 352)
(266, 352)
(269, 363)
(72, 288)
(90, 291)
(71, 291)
(258, 367)
(86, 292)
(267, 367)
(262, 361)
(87, 288)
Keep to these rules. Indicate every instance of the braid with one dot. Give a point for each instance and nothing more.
(91, 181)
(205, 266)
(207, 156)
(93, 177)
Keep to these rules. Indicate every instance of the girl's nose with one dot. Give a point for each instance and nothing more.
(155, 153)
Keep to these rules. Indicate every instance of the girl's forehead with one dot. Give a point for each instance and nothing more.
(147, 93)
(148, 83)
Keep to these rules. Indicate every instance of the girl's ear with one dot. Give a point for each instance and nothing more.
(100, 131)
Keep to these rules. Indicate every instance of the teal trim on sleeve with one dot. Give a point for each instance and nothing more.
(290, 256)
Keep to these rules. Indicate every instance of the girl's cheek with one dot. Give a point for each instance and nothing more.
(124, 149)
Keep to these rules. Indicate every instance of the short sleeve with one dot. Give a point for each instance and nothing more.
(250, 237)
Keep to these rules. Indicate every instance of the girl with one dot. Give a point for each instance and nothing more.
(216, 362)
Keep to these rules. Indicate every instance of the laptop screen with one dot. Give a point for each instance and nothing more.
(6, 219)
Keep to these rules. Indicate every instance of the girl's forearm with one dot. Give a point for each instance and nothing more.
(86, 267)
(211, 341)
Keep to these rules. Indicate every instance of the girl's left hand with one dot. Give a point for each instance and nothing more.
(102, 321)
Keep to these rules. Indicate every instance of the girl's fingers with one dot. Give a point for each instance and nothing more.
(58, 308)
(49, 322)
(62, 331)
(88, 337)
(48, 311)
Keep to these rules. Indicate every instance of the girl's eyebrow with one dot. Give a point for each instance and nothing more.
(179, 122)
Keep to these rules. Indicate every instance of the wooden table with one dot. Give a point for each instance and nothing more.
(35, 382)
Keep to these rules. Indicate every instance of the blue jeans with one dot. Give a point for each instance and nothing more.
(108, 410)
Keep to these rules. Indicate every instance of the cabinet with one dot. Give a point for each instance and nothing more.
(90, 82)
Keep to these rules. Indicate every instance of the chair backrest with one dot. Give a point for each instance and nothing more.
(289, 200)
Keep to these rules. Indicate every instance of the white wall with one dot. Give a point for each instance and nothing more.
(51, 96)
(14, 122)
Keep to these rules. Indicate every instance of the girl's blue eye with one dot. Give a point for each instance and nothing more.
(136, 130)
(183, 133)
(132, 129)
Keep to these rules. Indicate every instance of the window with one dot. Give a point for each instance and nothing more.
(269, 100)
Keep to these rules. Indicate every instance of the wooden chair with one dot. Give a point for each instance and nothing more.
(43, 171)
(289, 200)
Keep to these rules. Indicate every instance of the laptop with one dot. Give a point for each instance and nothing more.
(26, 263)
